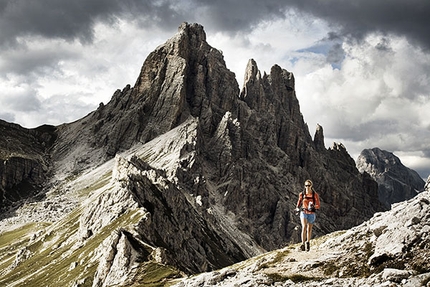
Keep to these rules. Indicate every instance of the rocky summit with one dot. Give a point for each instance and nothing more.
(396, 182)
(180, 174)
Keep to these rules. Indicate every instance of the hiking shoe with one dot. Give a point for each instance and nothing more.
(302, 247)
(308, 246)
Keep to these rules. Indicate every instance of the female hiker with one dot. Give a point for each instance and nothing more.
(307, 204)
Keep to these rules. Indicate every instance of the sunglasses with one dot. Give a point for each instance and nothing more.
(307, 185)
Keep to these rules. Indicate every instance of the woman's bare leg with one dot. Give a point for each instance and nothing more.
(304, 229)
(309, 229)
(309, 236)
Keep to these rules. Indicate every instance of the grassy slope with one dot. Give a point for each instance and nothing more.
(53, 251)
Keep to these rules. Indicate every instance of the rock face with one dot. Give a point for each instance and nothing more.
(25, 162)
(182, 78)
(395, 181)
(185, 166)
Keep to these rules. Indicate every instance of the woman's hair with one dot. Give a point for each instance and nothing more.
(309, 181)
(312, 185)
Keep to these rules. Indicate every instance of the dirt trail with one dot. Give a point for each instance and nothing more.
(292, 261)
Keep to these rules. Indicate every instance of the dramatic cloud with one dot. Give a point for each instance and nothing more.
(362, 68)
(359, 18)
(75, 19)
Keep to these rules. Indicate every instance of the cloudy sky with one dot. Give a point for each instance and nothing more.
(362, 67)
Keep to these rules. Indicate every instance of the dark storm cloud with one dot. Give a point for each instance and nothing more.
(49, 18)
(358, 18)
(33, 62)
(234, 16)
(75, 19)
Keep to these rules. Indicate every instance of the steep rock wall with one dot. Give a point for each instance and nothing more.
(396, 182)
(24, 161)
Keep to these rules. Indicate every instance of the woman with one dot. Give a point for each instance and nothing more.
(307, 204)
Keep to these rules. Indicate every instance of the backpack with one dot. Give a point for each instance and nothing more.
(303, 196)
(313, 195)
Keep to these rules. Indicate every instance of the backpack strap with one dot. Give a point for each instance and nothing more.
(303, 199)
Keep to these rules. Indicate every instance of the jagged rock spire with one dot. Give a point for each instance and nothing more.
(319, 139)
(253, 92)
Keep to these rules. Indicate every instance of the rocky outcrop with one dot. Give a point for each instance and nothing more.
(119, 253)
(397, 239)
(319, 139)
(395, 181)
(24, 163)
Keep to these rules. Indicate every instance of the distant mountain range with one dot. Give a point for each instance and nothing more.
(396, 182)
(180, 174)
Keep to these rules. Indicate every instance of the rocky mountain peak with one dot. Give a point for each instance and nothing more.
(182, 78)
(268, 92)
(252, 79)
(193, 34)
(396, 182)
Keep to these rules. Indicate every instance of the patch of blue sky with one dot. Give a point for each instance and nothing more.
(331, 50)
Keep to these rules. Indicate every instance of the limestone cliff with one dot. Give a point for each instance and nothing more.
(396, 182)
(24, 162)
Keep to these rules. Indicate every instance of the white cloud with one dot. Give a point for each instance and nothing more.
(77, 76)
(378, 98)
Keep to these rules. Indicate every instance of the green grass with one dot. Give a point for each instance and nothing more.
(11, 242)
(101, 182)
(330, 268)
(16, 236)
(278, 257)
(52, 253)
(42, 258)
(49, 267)
(153, 274)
